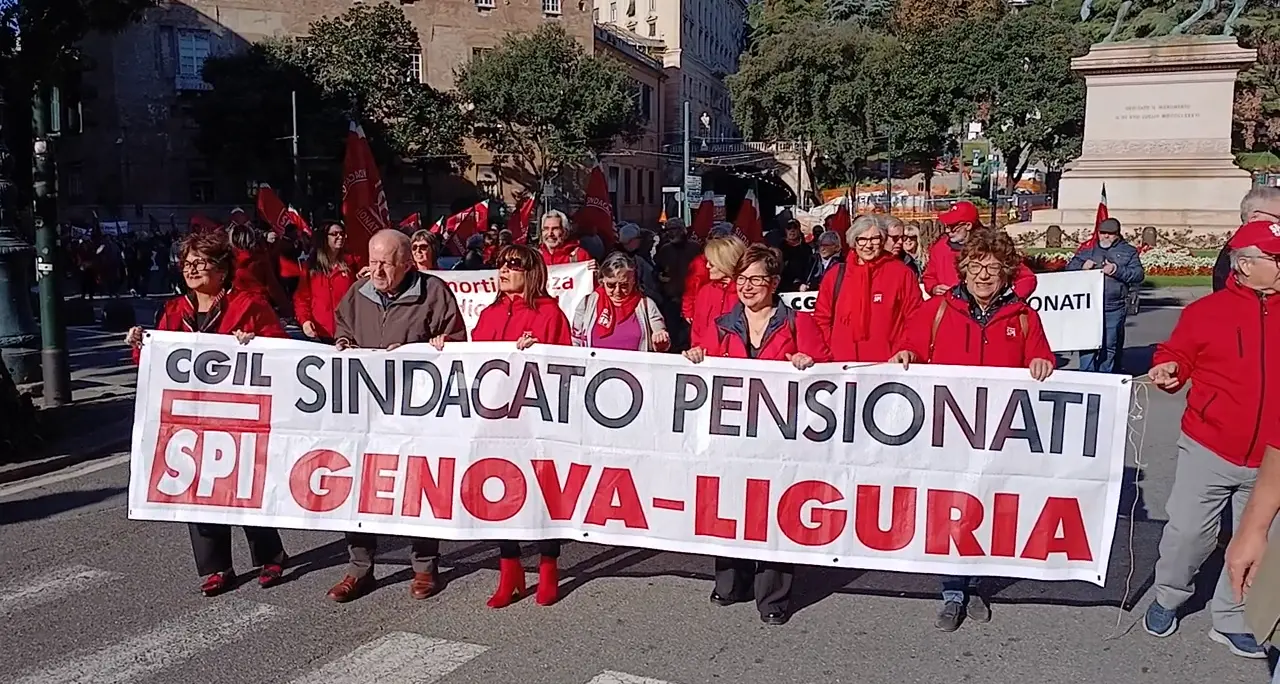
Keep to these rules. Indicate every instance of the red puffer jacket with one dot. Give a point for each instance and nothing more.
(943, 331)
(1227, 345)
(318, 294)
(941, 270)
(788, 332)
(241, 312)
(694, 279)
(714, 300)
(568, 253)
(895, 296)
(255, 272)
(510, 317)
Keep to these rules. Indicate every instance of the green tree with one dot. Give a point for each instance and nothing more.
(542, 105)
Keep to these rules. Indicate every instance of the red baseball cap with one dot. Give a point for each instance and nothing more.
(1265, 235)
(961, 212)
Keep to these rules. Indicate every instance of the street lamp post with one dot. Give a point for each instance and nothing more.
(18, 333)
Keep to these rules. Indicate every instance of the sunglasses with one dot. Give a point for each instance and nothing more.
(512, 264)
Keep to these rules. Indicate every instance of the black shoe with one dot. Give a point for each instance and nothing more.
(950, 617)
(725, 600)
(978, 609)
(774, 618)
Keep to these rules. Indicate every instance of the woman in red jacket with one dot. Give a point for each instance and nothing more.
(255, 265)
(212, 306)
(717, 296)
(759, 326)
(864, 303)
(330, 272)
(425, 247)
(980, 322)
(525, 314)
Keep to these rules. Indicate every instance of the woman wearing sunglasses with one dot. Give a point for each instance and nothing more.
(330, 272)
(759, 326)
(526, 314)
(979, 322)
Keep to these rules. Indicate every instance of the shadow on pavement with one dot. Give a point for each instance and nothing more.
(1137, 360)
(26, 510)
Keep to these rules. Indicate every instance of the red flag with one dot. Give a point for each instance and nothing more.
(704, 219)
(518, 222)
(1098, 218)
(596, 215)
(411, 223)
(747, 222)
(462, 225)
(842, 220)
(364, 204)
(271, 209)
(202, 222)
(296, 219)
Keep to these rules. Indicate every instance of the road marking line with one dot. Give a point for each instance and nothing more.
(400, 657)
(52, 586)
(168, 644)
(69, 474)
(610, 677)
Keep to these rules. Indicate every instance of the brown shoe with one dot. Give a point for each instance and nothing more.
(351, 588)
(423, 585)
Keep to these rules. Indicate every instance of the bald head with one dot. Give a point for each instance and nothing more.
(390, 259)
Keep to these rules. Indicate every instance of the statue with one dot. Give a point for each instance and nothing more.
(1206, 6)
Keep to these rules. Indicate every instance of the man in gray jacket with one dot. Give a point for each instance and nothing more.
(1118, 260)
(396, 305)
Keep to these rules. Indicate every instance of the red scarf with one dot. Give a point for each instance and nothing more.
(608, 314)
(853, 310)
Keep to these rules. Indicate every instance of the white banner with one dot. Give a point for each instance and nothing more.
(946, 470)
(1069, 302)
(568, 283)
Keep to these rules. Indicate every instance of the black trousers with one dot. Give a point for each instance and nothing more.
(212, 546)
(546, 547)
(424, 554)
(770, 583)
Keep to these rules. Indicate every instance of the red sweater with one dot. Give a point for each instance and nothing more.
(509, 317)
(1012, 338)
(318, 294)
(788, 332)
(1227, 345)
(241, 312)
(895, 296)
(941, 270)
(715, 299)
(568, 253)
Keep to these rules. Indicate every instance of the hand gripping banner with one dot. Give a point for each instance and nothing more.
(942, 469)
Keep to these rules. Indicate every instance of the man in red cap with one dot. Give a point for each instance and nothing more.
(1227, 345)
(941, 275)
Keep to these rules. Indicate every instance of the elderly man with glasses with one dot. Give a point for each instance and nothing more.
(1261, 203)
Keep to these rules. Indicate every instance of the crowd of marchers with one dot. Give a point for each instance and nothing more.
(882, 298)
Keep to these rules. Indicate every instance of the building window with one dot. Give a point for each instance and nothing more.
(73, 182)
(479, 51)
(653, 6)
(595, 15)
(200, 181)
(613, 11)
(415, 67)
(631, 26)
(613, 188)
(653, 28)
(646, 101)
(485, 4)
(626, 186)
(653, 189)
(193, 50)
(639, 187)
(551, 6)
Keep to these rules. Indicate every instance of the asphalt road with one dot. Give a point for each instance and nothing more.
(89, 596)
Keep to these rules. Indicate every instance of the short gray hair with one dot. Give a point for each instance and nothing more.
(616, 264)
(862, 224)
(1260, 198)
(829, 238)
(889, 221)
(555, 214)
(1237, 255)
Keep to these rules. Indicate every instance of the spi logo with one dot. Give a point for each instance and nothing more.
(211, 449)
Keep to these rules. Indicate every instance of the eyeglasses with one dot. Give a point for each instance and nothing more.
(421, 247)
(197, 265)
(868, 241)
(338, 235)
(512, 264)
(910, 238)
(753, 281)
(974, 268)
(897, 238)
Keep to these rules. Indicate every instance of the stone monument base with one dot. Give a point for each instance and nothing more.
(1157, 133)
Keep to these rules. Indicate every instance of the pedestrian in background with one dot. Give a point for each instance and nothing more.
(211, 305)
(1225, 346)
(1261, 203)
(425, 246)
(897, 240)
(524, 313)
(396, 305)
(826, 258)
(1121, 269)
(940, 274)
(759, 326)
(979, 322)
(329, 273)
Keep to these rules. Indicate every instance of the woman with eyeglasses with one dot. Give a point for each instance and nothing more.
(979, 322)
(864, 303)
(212, 305)
(526, 314)
(616, 315)
(425, 247)
(896, 242)
(330, 272)
(759, 326)
(717, 296)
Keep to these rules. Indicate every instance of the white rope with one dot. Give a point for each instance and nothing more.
(1137, 427)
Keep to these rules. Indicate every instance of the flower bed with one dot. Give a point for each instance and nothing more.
(1164, 261)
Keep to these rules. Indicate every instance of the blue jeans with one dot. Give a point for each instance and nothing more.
(957, 589)
(1107, 359)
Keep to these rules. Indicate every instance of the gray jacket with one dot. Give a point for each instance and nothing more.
(583, 323)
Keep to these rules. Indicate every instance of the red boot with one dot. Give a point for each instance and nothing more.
(548, 581)
(510, 583)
